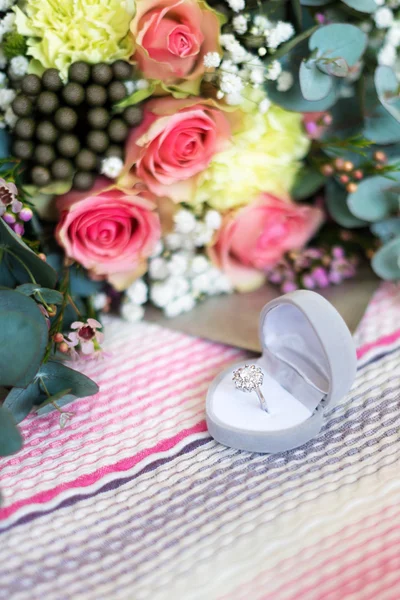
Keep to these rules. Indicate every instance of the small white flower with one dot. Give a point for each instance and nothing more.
(380, 2)
(100, 301)
(179, 284)
(236, 5)
(231, 84)
(199, 264)
(240, 24)
(158, 249)
(137, 292)
(238, 53)
(393, 35)
(173, 241)
(142, 84)
(213, 219)
(161, 294)
(111, 167)
(234, 99)
(228, 66)
(10, 117)
(203, 235)
(387, 55)
(262, 51)
(285, 81)
(178, 263)
(383, 18)
(274, 70)
(132, 312)
(179, 306)
(185, 221)
(257, 76)
(6, 4)
(6, 97)
(282, 32)
(264, 106)
(130, 87)
(158, 268)
(226, 40)
(211, 60)
(201, 283)
(261, 22)
(18, 66)
(220, 95)
(8, 22)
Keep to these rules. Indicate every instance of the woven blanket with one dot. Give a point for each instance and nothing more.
(133, 499)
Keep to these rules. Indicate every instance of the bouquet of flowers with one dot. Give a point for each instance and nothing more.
(169, 150)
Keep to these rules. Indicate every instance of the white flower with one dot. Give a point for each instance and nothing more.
(226, 40)
(130, 87)
(262, 23)
(132, 312)
(285, 81)
(158, 249)
(179, 284)
(6, 4)
(158, 268)
(228, 66)
(387, 55)
(161, 294)
(199, 264)
(203, 235)
(179, 306)
(18, 66)
(220, 95)
(137, 292)
(231, 83)
(234, 99)
(7, 23)
(264, 106)
(393, 35)
(111, 167)
(201, 283)
(240, 24)
(383, 18)
(6, 97)
(10, 117)
(211, 60)
(262, 51)
(257, 75)
(274, 70)
(100, 301)
(185, 221)
(238, 52)
(142, 84)
(173, 241)
(236, 5)
(213, 219)
(178, 263)
(282, 32)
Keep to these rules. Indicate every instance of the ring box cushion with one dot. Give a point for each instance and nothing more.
(309, 364)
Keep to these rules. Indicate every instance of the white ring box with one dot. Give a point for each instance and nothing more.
(309, 364)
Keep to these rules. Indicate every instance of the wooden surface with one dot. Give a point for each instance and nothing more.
(233, 319)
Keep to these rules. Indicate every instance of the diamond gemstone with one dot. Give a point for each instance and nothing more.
(248, 378)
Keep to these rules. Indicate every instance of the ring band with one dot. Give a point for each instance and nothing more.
(250, 379)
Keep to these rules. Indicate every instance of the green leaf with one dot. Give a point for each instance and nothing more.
(55, 188)
(337, 67)
(339, 40)
(314, 84)
(296, 5)
(136, 97)
(23, 338)
(80, 284)
(315, 2)
(55, 398)
(336, 201)
(375, 198)
(40, 270)
(379, 125)
(385, 262)
(387, 88)
(307, 182)
(51, 296)
(387, 230)
(28, 289)
(285, 48)
(20, 401)
(293, 99)
(10, 437)
(365, 6)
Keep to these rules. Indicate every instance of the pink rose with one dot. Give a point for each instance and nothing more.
(175, 142)
(257, 236)
(172, 37)
(109, 230)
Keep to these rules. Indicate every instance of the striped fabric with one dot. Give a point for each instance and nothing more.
(133, 500)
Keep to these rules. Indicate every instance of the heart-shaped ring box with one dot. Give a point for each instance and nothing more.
(309, 364)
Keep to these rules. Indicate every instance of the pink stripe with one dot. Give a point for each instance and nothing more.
(386, 340)
(123, 465)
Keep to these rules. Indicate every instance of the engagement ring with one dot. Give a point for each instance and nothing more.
(250, 379)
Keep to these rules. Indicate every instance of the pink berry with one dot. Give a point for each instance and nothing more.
(25, 214)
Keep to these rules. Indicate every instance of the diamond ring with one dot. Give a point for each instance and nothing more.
(250, 379)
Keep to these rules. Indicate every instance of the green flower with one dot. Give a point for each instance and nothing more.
(60, 33)
(14, 44)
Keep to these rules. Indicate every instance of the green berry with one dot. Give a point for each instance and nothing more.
(98, 141)
(73, 94)
(68, 145)
(47, 103)
(96, 95)
(22, 105)
(117, 130)
(133, 115)
(98, 118)
(46, 132)
(86, 160)
(51, 80)
(44, 154)
(122, 70)
(22, 149)
(40, 176)
(83, 181)
(62, 169)
(79, 72)
(102, 74)
(31, 85)
(25, 128)
(66, 118)
(116, 91)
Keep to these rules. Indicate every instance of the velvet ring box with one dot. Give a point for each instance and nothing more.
(309, 364)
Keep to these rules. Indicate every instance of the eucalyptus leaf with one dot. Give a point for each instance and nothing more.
(336, 68)
(375, 198)
(385, 262)
(315, 85)
(10, 437)
(55, 397)
(50, 296)
(80, 284)
(336, 201)
(387, 88)
(23, 338)
(381, 127)
(293, 99)
(339, 40)
(315, 2)
(307, 182)
(4, 144)
(28, 289)
(387, 230)
(365, 6)
(20, 401)
(39, 269)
